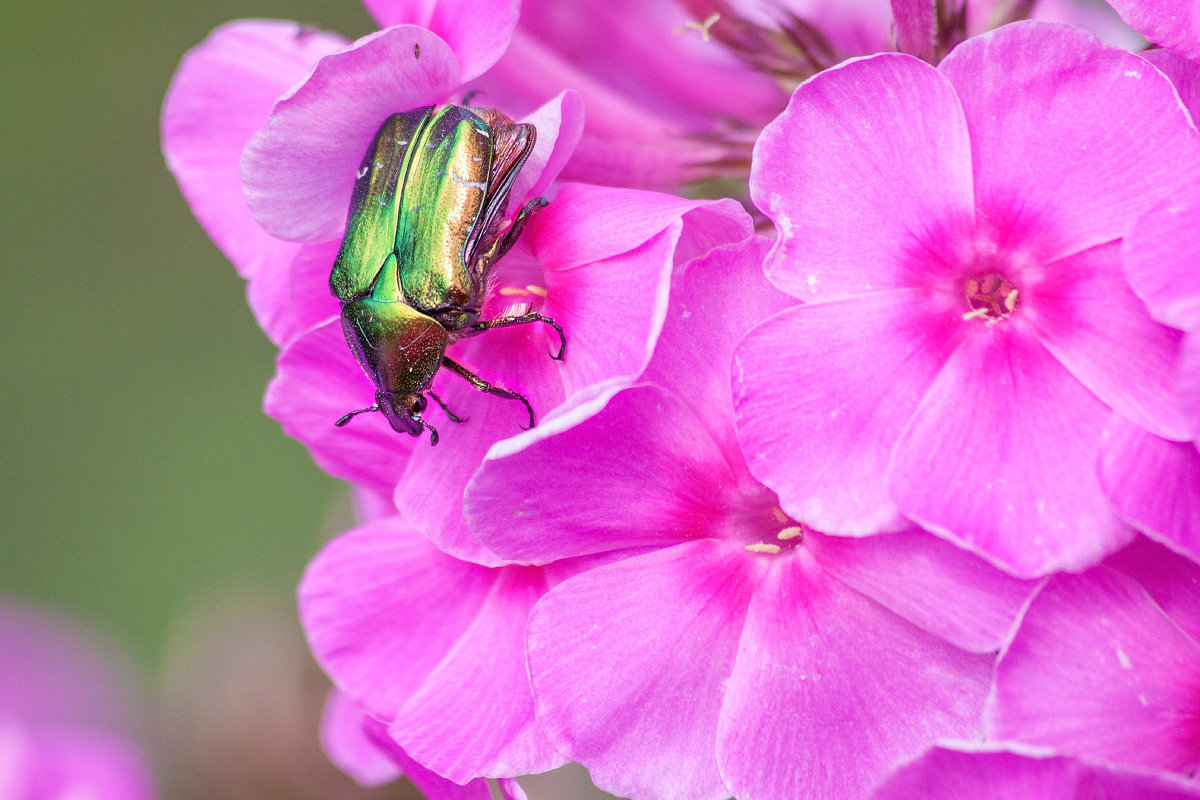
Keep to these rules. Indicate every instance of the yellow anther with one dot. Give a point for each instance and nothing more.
(790, 533)
(779, 515)
(763, 547)
(540, 291)
(978, 313)
(1010, 300)
(510, 291)
(702, 27)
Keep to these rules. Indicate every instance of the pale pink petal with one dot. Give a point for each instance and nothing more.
(221, 94)
(430, 645)
(969, 771)
(1096, 669)
(863, 175)
(822, 393)
(345, 740)
(1001, 458)
(299, 169)
(585, 223)
(1086, 315)
(931, 583)
(635, 696)
(644, 50)
(1160, 256)
(916, 27)
(1095, 141)
(830, 688)
(474, 714)
(1153, 483)
(316, 382)
(290, 295)
(650, 473)
(476, 30)
(429, 783)
(1167, 23)
(1184, 74)
(559, 123)
(714, 303)
(1171, 580)
(623, 144)
(1189, 376)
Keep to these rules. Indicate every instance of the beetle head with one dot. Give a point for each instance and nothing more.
(403, 413)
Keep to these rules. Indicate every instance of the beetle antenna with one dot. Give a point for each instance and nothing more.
(342, 422)
(433, 434)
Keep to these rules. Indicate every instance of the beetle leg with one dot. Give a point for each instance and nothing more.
(518, 224)
(483, 386)
(504, 322)
(453, 417)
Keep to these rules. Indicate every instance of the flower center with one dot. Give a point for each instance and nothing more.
(789, 535)
(990, 297)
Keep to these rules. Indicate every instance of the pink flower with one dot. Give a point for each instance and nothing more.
(959, 233)
(66, 716)
(359, 744)
(721, 648)
(1103, 665)
(1174, 24)
(983, 772)
(431, 646)
(1154, 483)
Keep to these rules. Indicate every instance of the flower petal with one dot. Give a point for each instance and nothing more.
(1160, 256)
(476, 30)
(860, 175)
(969, 771)
(643, 470)
(1087, 316)
(931, 583)
(1071, 140)
(830, 688)
(1171, 580)
(349, 747)
(290, 295)
(822, 393)
(316, 382)
(221, 94)
(1119, 685)
(632, 689)
(714, 303)
(1167, 23)
(1000, 458)
(299, 169)
(432, 645)
(1153, 483)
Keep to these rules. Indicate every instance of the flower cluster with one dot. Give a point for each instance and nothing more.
(870, 468)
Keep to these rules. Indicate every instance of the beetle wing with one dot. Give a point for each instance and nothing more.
(375, 203)
(443, 199)
(513, 142)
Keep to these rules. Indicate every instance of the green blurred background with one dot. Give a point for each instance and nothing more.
(139, 472)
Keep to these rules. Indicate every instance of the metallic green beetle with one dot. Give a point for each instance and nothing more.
(426, 224)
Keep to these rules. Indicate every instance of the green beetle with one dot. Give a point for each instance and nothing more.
(426, 224)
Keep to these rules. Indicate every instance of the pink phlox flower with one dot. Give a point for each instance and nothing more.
(431, 648)
(723, 648)
(68, 721)
(971, 771)
(360, 746)
(1102, 665)
(1154, 482)
(959, 232)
